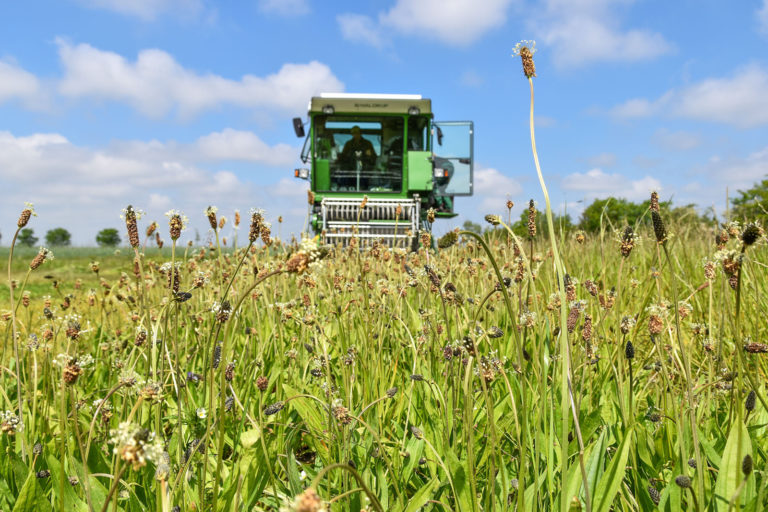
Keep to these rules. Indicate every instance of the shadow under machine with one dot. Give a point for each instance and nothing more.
(386, 147)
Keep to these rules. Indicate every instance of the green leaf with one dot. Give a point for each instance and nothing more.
(611, 480)
(31, 497)
(730, 475)
(250, 437)
(422, 496)
(69, 496)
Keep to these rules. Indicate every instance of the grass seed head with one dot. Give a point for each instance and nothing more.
(210, 212)
(274, 408)
(131, 217)
(654, 494)
(526, 49)
(683, 481)
(629, 351)
(751, 234)
(26, 214)
(746, 465)
(42, 256)
(750, 402)
(531, 218)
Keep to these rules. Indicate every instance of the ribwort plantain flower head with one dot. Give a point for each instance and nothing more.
(26, 214)
(525, 49)
(177, 223)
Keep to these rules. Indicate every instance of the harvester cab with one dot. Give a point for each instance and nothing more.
(389, 149)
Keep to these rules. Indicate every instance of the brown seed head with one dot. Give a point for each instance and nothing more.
(510, 204)
(26, 214)
(42, 256)
(130, 223)
(257, 218)
(526, 49)
(654, 207)
(151, 229)
(237, 218)
(531, 219)
(210, 212)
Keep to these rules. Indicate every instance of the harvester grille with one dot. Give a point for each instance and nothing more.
(343, 219)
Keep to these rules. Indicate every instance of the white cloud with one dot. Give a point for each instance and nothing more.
(676, 141)
(588, 31)
(156, 84)
(596, 183)
(453, 22)
(148, 10)
(740, 100)
(285, 7)
(492, 189)
(762, 17)
(359, 28)
(739, 172)
(83, 189)
(16, 83)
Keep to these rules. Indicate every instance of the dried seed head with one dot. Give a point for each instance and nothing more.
(210, 212)
(654, 206)
(257, 218)
(746, 465)
(237, 218)
(586, 330)
(151, 229)
(430, 215)
(26, 214)
(683, 481)
(493, 220)
(531, 219)
(526, 49)
(308, 501)
(654, 494)
(176, 222)
(391, 392)
(628, 241)
(131, 217)
(447, 240)
(629, 350)
(692, 463)
(274, 408)
(751, 234)
(42, 256)
(658, 227)
(262, 382)
(510, 204)
(750, 402)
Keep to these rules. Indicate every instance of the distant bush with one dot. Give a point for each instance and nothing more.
(58, 237)
(27, 237)
(108, 237)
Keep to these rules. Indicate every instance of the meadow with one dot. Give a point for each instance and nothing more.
(622, 369)
(298, 376)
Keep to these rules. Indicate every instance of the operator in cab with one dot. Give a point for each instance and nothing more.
(358, 148)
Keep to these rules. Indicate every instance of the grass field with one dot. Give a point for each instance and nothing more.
(387, 384)
(618, 370)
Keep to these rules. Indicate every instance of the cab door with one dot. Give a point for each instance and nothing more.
(452, 145)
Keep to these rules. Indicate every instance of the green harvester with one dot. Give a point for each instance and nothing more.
(388, 148)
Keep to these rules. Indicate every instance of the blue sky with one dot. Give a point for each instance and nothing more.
(183, 103)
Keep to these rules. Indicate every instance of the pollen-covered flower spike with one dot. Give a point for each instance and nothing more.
(526, 49)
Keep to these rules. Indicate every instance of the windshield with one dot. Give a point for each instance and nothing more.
(358, 153)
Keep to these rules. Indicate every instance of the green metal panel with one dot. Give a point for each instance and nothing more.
(322, 175)
(419, 175)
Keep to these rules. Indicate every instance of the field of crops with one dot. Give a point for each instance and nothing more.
(618, 370)
(303, 378)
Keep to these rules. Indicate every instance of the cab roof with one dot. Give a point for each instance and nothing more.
(370, 103)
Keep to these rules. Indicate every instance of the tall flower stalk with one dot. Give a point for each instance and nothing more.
(526, 49)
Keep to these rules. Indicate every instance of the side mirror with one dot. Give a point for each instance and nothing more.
(439, 136)
(298, 127)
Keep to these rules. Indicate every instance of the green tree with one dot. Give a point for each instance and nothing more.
(108, 237)
(27, 237)
(616, 212)
(58, 237)
(751, 204)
